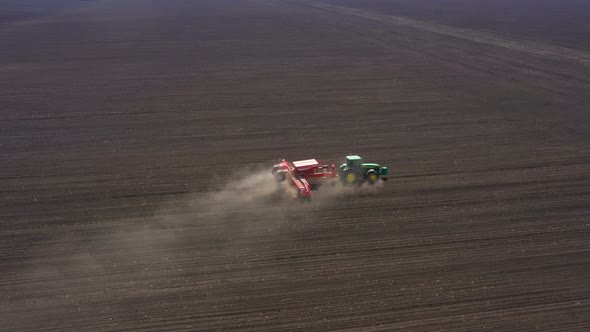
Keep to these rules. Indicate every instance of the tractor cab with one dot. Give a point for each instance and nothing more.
(354, 161)
(355, 171)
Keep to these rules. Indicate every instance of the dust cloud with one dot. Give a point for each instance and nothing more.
(126, 255)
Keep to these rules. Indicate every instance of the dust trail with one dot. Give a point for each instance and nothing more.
(191, 237)
(252, 203)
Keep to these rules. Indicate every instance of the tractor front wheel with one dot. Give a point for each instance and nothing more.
(372, 177)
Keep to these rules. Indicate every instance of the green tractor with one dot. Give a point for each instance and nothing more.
(354, 171)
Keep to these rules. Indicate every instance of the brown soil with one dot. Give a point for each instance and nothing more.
(137, 138)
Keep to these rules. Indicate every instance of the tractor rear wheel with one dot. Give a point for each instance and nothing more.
(350, 177)
(372, 177)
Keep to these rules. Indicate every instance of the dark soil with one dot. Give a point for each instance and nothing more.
(136, 138)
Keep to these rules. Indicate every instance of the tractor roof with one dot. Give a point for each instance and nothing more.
(353, 158)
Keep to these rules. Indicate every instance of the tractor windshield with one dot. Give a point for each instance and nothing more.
(353, 162)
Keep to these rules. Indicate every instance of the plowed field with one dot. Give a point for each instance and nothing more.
(137, 138)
